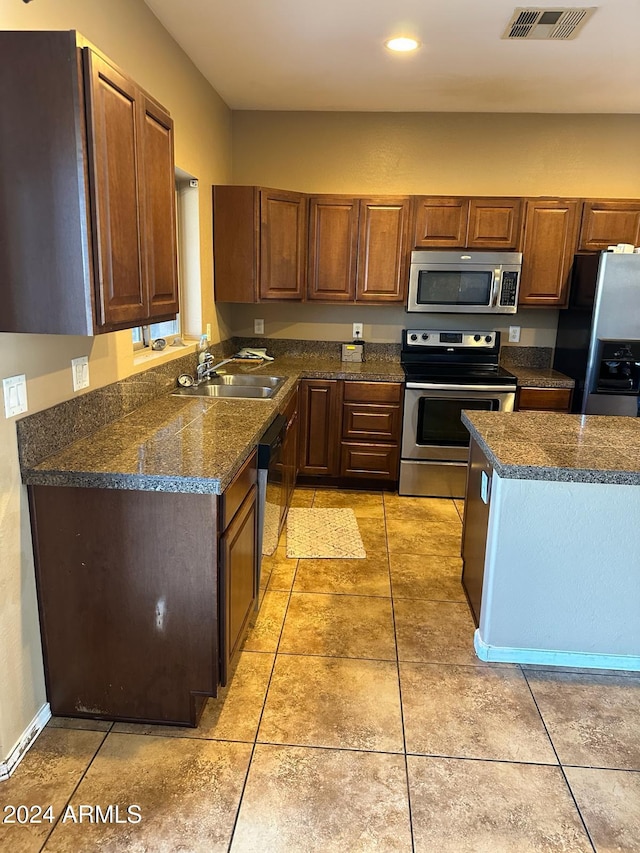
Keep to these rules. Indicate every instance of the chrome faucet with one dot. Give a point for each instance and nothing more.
(206, 368)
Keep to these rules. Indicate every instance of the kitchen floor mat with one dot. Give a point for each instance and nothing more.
(270, 528)
(323, 533)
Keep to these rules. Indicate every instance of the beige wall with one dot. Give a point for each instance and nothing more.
(448, 153)
(126, 31)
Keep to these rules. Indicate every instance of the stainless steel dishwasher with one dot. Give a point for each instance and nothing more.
(271, 493)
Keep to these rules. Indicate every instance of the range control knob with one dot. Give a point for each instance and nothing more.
(488, 339)
(413, 337)
(477, 337)
(425, 337)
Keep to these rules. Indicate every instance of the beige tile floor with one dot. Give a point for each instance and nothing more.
(358, 719)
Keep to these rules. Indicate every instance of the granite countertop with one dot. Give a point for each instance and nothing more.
(188, 444)
(559, 447)
(540, 377)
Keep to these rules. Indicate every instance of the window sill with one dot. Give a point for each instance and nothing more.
(148, 357)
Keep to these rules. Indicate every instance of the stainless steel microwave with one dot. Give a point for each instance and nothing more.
(464, 282)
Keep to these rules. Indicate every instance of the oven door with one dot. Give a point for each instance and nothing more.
(435, 444)
(432, 428)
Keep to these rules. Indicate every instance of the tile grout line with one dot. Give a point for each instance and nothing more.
(77, 785)
(395, 640)
(560, 765)
(264, 702)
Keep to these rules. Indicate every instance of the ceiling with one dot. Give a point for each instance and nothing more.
(329, 55)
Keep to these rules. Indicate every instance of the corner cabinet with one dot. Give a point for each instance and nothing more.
(358, 249)
(452, 222)
(550, 239)
(94, 249)
(259, 244)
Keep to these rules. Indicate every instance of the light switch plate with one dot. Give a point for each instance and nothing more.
(80, 372)
(15, 395)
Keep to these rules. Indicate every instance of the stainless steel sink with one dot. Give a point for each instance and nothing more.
(237, 386)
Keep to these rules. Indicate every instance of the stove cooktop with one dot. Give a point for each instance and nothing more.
(462, 374)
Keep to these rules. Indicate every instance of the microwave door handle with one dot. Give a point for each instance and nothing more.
(495, 288)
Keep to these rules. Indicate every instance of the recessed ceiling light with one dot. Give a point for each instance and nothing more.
(402, 44)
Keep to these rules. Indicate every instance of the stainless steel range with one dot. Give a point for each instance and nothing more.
(446, 372)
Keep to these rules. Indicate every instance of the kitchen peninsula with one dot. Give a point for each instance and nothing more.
(550, 547)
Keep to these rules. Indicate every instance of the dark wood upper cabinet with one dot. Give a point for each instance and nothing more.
(259, 244)
(159, 210)
(450, 222)
(333, 243)
(283, 234)
(494, 223)
(440, 222)
(383, 249)
(90, 246)
(550, 238)
(606, 222)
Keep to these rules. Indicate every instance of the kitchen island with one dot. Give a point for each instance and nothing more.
(550, 545)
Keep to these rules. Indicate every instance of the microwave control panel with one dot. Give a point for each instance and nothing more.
(509, 288)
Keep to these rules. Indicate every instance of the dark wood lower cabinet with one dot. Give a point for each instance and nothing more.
(544, 399)
(237, 574)
(144, 597)
(350, 431)
(128, 601)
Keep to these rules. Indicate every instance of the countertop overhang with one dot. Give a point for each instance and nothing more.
(559, 447)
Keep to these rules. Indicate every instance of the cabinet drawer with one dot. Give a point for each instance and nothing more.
(550, 399)
(237, 491)
(372, 392)
(370, 422)
(377, 461)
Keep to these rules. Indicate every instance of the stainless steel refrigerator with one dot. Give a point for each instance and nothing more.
(598, 342)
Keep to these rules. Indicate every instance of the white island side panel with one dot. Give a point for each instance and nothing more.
(562, 572)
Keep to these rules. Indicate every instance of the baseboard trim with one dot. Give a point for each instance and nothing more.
(25, 741)
(503, 654)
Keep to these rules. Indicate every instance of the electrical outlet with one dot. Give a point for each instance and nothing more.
(80, 372)
(357, 331)
(514, 334)
(258, 327)
(15, 395)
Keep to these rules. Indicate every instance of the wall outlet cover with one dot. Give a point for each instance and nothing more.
(514, 334)
(15, 395)
(80, 372)
(357, 331)
(258, 327)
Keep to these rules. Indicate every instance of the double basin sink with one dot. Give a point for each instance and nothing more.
(236, 385)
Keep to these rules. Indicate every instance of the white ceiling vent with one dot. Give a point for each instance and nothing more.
(558, 24)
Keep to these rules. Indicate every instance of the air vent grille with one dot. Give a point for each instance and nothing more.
(558, 24)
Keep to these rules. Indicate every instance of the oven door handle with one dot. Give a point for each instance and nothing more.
(424, 386)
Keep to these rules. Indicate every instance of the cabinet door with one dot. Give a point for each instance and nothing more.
(282, 244)
(238, 557)
(550, 237)
(605, 223)
(494, 223)
(440, 222)
(319, 426)
(112, 106)
(383, 249)
(333, 238)
(158, 209)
